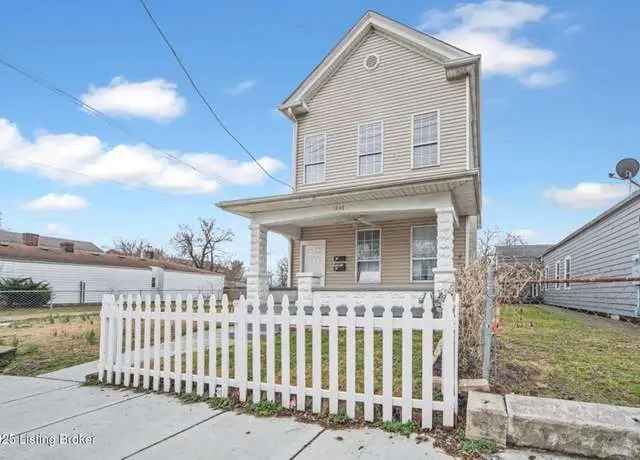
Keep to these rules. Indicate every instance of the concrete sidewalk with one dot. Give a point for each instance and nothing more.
(113, 423)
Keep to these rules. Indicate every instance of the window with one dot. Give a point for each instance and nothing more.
(424, 251)
(370, 149)
(557, 274)
(153, 281)
(314, 158)
(368, 256)
(425, 140)
(83, 291)
(567, 272)
(546, 277)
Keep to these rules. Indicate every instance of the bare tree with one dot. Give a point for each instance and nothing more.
(138, 248)
(203, 245)
(232, 269)
(282, 272)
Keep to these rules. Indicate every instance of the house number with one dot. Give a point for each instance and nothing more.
(339, 207)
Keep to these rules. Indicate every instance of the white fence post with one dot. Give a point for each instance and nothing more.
(122, 325)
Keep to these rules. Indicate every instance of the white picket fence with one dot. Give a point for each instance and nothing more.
(128, 356)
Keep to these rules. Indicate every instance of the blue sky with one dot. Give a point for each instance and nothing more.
(559, 108)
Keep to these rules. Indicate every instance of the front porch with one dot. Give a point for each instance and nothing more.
(395, 241)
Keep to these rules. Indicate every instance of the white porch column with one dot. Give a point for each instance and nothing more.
(257, 282)
(306, 283)
(443, 274)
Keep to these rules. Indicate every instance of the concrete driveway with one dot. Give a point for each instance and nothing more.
(46, 418)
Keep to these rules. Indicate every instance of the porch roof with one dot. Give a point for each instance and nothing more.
(463, 188)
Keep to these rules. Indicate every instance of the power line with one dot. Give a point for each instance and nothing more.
(203, 98)
(94, 111)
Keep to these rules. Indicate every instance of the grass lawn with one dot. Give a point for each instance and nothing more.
(550, 352)
(51, 342)
(13, 314)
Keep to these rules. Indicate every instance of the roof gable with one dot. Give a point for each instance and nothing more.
(424, 44)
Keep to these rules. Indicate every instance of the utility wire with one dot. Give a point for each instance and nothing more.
(203, 98)
(98, 113)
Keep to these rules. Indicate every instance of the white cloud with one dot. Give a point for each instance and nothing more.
(544, 79)
(586, 195)
(57, 202)
(155, 99)
(241, 87)
(489, 28)
(60, 230)
(56, 155)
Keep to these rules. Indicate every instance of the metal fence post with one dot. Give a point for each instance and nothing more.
(487, 333)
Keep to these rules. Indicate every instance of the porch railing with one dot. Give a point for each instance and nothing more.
(167, 345)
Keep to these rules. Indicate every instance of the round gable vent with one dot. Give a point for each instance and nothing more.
(371, 61)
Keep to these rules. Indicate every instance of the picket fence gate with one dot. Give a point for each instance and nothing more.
(130, 324)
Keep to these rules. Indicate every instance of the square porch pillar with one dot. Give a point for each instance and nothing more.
(444, 273)
(257, 279)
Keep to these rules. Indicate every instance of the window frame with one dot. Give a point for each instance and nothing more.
(413, 125)
(565, 277)
(359, 155)
(411, 280)
(357, 278)
(304, 159)
(558, 276)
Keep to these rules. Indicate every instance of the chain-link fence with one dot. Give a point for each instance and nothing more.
(17, 300)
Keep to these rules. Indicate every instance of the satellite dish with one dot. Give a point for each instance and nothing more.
(627, 168)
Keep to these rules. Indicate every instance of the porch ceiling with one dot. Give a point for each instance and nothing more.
(462, 188)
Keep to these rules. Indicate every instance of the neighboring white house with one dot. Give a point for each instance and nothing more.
(77, 276)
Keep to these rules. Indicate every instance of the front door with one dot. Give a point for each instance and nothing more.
(313, 258)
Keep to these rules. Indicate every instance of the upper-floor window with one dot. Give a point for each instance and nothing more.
(370, 148)
(368, 250)
(425, 140)
(424, 250)
(314, 158)
(567, 272)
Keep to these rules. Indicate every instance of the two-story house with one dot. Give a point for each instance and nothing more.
(386, 169)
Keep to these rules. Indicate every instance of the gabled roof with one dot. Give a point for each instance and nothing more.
(49, 242)
(428, 45)
(521, 251)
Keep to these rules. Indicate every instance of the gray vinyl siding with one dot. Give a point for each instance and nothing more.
(396, 251)
(405, 83)
(604, 249)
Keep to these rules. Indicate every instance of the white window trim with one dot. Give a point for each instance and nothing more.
(304, 159)
(557, 277)
(413, 116)
(323, 244)
(411, 280)
(358, 147)
(567, 285)
(379, 229)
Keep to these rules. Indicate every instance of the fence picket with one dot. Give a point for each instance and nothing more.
(351, 359)
(166, 360)
(106, 306)
(225, 346)
(118, 342)
(177, 346)
(137, 337)
(256, 355)
(271, 356)
(368, 360)
(427, 361)
(447, 358)
(300, 356)
(189, 346)
(200, 347)
(284, 353)
(333, 357)
(241, 348)
(213, 345)
(407, 360)
(156, 342)
(128, 331)
(316, 358)
(147, 342)
(387, 361)
(109, 337)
